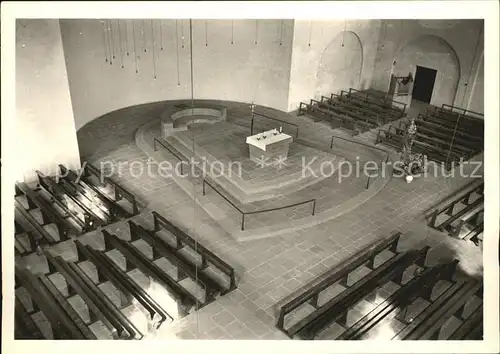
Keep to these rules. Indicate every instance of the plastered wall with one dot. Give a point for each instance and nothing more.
(452, 47)
(331, 55)
(45, 130)
(241, 60)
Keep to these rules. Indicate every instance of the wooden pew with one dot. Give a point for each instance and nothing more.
(119, 191)
(108, 270)
(59, 192)
(339, 273)
(475, 235)
(335, 310)
(469, 218)
(471, 328)
(65, 305)
(336, 120)
(23, 226)
(436, 125)
(457, 125)
(431, 152)
(383, 111)
(207, 256)
(340, 109)
(185, 268)
(24, 326)
(135, 258)
(428, 324)
(358, 110)
(49, 215)
(62, 325)
(355, 121)
(116, 211)
(385, 103)
(455, 216)
(420, 286)
(436, 144)
(424, 129)
(97, 302)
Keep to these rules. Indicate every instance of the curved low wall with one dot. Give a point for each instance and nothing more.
(181, 120)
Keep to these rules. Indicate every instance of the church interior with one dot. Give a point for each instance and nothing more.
(249, 179)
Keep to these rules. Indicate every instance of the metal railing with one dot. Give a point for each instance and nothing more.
(385, 159)
(275, 119)
(245, 213)
(155, 140)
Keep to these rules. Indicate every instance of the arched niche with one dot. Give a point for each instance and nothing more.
(340, 64)
(435, 53)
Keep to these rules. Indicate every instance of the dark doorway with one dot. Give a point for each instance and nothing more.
(424, 84)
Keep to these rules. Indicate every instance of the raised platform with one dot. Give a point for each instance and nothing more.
(223, 147)
(261, 201)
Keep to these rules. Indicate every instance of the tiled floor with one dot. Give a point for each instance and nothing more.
(270, 269)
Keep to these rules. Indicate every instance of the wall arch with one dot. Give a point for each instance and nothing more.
(436, 53)
(340, 66)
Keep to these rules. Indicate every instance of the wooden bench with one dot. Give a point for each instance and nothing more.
(185, 268)
(336, 309)
(471, 328)
(341, 109)
(401, 299)
(24, 326)
(63, 327)
(436, 125)
(119, 191)
(354, 122)
(427, 325)
(64, 195)
(339, 273)
(136, 259)
(26, 225)
(97, 302)
(108, 270)
(336, 121)
(84, 186)
(383, 111)
(424, 129)
(49, 215)
(358, 109)
(207, 256)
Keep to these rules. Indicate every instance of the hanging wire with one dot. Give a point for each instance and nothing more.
(385, 33)
(182, 33)
(135, 48)
(111, 43)
(310, 33)
(206, 33)
(104, 40)
(281, 32)
(232, 31)
(144, 35)
(126, 37)
(193, 147)
(177, 51)
(161, 34)
(343, 33)
(256, 31)
(154, 60)
(120, 42)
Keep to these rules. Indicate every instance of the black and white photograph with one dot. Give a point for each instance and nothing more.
(251, 172)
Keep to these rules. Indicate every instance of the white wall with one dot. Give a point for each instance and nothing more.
(325, 66)
(242, 71)
(458, 38)
(45, 131)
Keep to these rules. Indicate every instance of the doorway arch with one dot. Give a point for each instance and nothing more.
(435, 53)
(340, 64)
